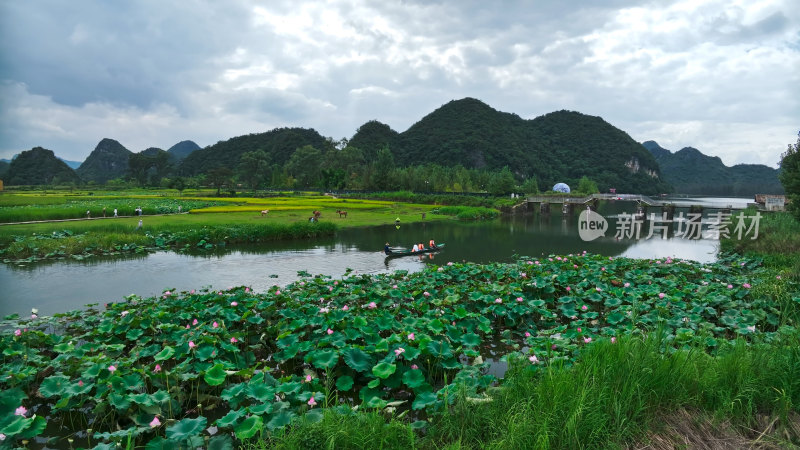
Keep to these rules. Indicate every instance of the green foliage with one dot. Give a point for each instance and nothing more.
(190, 356)
(691, 172)
(790, 176)
(587, 186)
(502, 182)
(278, 144)
(530, 186)
(108, 160)
(305, 165)
(39, 166)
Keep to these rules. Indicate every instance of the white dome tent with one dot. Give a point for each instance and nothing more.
(561, 187)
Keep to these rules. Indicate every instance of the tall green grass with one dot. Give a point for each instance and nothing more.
(114, 237)
(613, 396)
(467, 212)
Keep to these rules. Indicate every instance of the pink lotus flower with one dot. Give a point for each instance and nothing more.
(372, 305)
(330, 288)
(277, 292)
(751, 328)
(34, 316)
(574, 266)
(80, 383)
(414, 366)
(21, 411)
(530, 262)
(2, 437)
(777, 277)
(324, 310)
(410, 336)
(527, 334)
(335, 283)
(440, 269)
(312, 402)
(191, 344)
(215, 324)
(730, 286)
(598, 289)
(330, 331)
(426, 294)
(602, 269)
(586, 340)
(308, 378)
(112, 369)
(523, 275)
(234, 340)
(155, 422)
(17, 332)
(157, 368)
(533, 359)
(192, 291)
(234, 303)
(450, 263)
(123, 313)
(660, 295)
(537, 263)
(746, 285)
(569, 288)
(627, 285)
(519, 299)
(579, 329)
(187, 326)
(498, 300)
(613, 339)
(553, 347)
(194, 322)
(399, 351)
(345, 308)
(584, 308)
(246, 290)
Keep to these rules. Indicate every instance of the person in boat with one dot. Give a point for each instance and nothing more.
(421, 247)
(432, 244)
(415, 249)
(387, 249)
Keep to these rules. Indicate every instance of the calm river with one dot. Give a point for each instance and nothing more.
(65, 285)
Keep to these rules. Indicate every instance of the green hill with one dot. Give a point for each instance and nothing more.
(692, 172)
(182, 149)
(109, 160)
(39, 166)
(4, 165)
(561, 146)
(278, 144)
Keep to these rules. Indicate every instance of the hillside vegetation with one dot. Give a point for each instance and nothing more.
(691, 172)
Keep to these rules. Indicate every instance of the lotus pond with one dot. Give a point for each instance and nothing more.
(216, 368)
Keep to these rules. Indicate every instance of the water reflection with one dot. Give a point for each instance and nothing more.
(65, 285)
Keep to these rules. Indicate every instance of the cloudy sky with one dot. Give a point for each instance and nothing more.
(718, 75)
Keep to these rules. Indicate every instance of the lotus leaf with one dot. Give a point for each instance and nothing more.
(344, 383)
(186, 428)
(55, 385)
(215, 375)
(383, 370)
(249, 427)
(358, 360)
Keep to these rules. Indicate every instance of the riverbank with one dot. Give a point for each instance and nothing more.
(286, 367)
(211, 223)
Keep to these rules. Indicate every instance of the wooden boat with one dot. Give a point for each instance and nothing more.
(409, 252)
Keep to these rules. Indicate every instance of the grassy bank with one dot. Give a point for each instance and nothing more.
(628, 393)
(210, 222)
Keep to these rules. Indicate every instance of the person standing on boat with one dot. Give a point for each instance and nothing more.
(386, 249)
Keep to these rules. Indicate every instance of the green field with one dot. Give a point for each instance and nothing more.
(61, 227)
